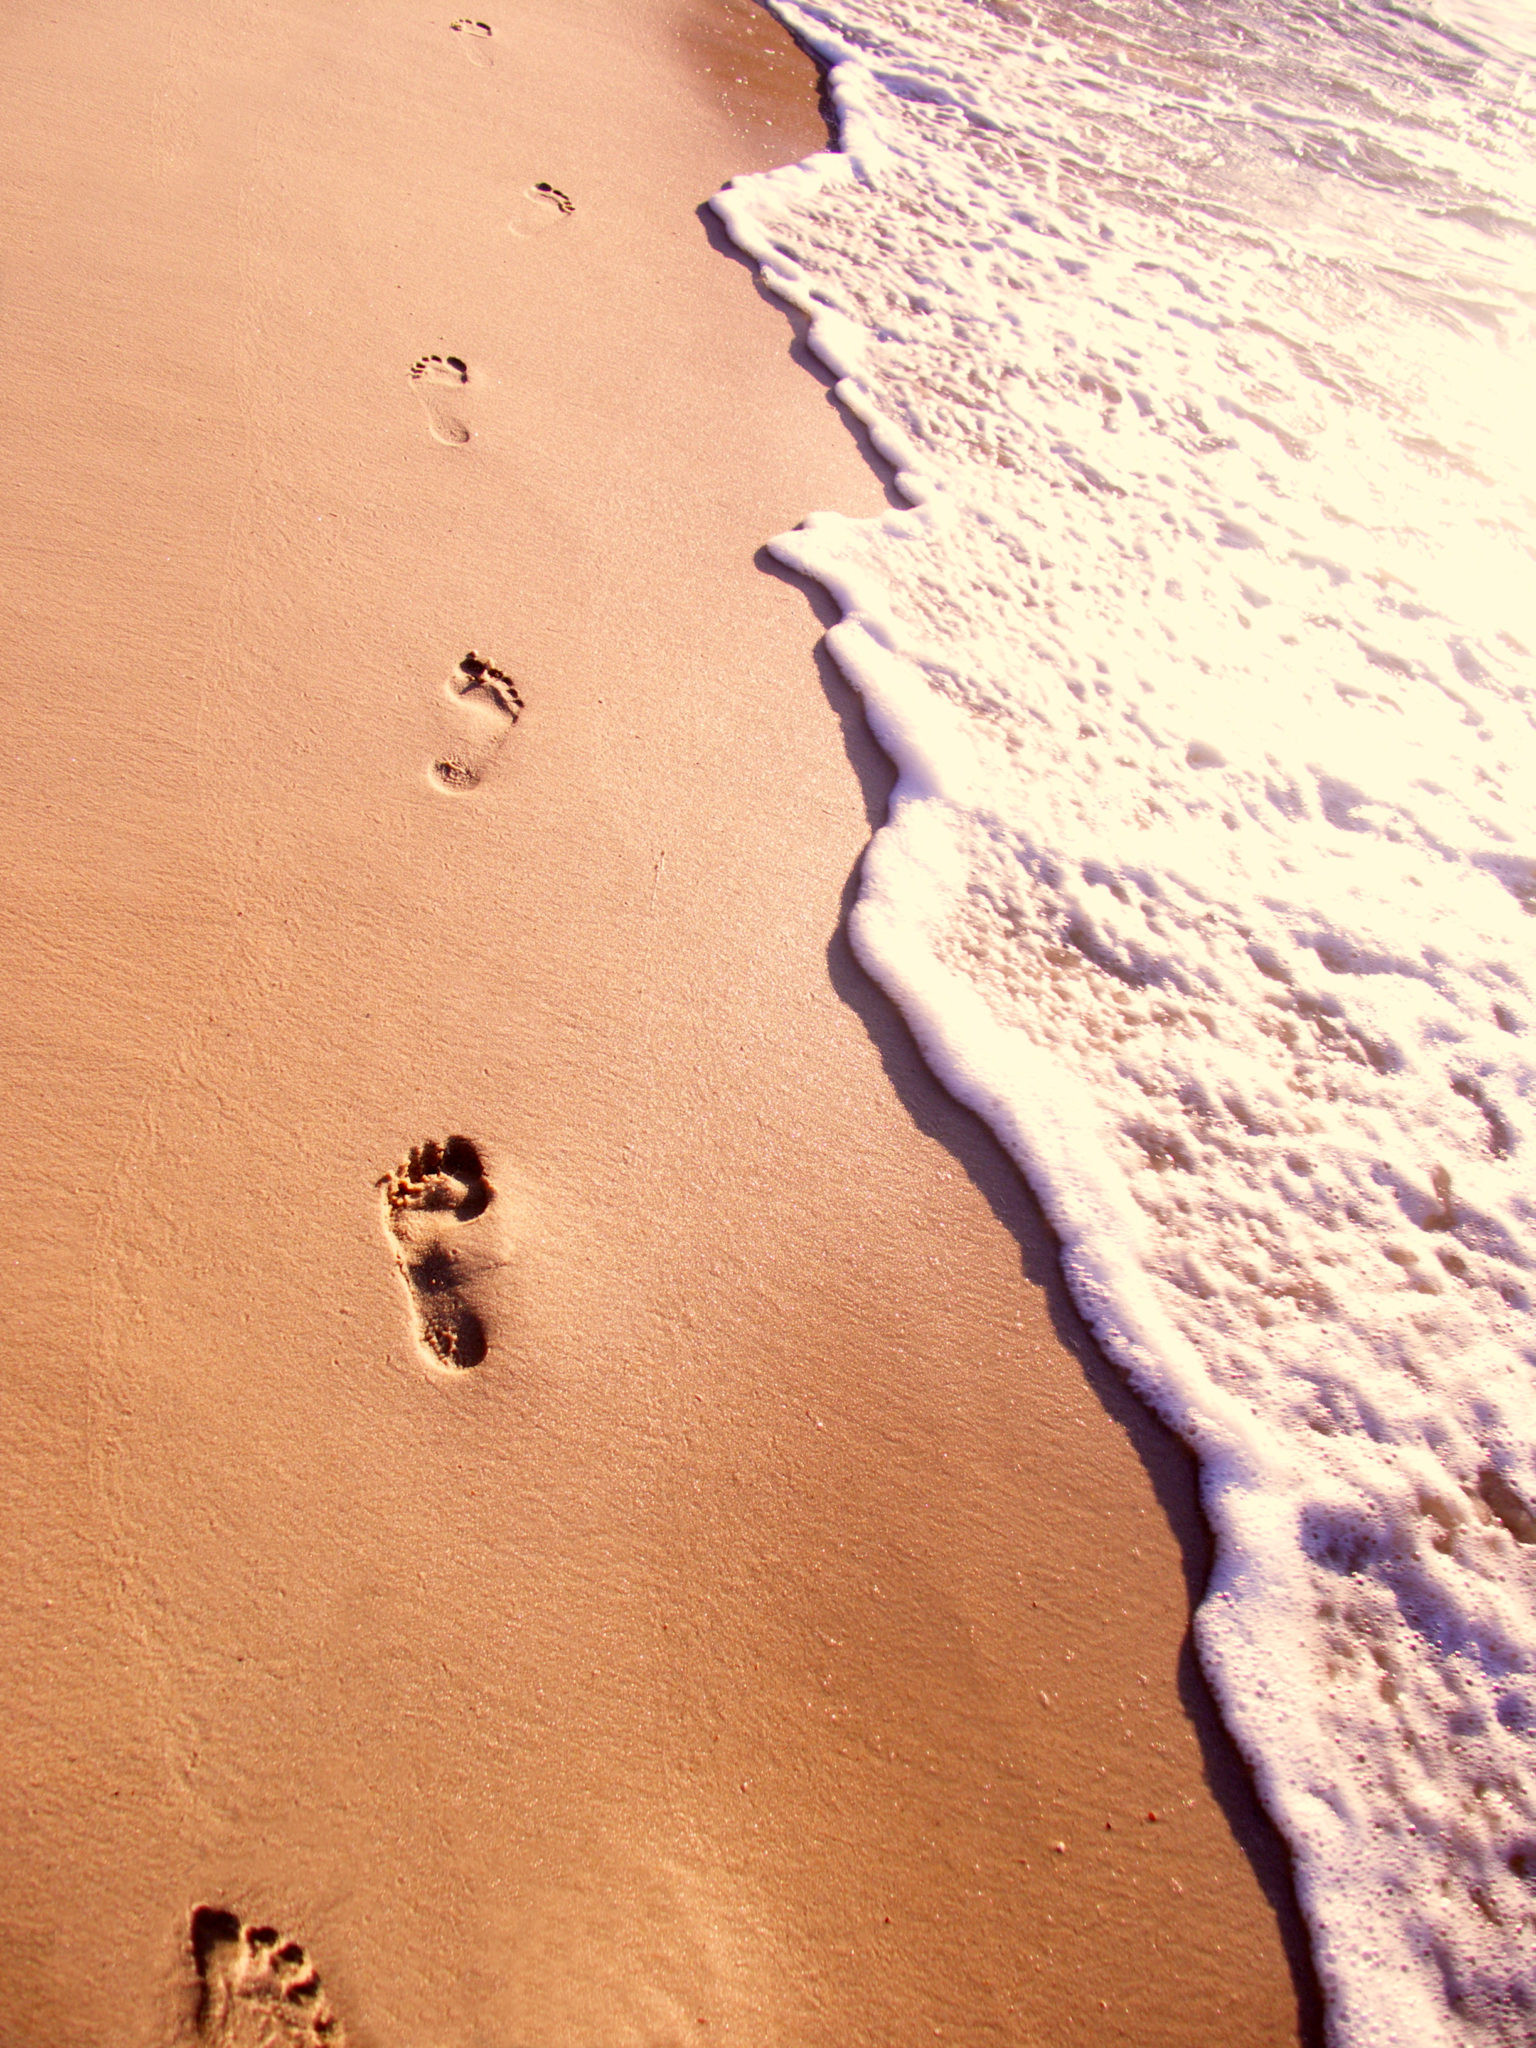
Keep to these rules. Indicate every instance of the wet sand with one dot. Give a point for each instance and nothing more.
(782, 1635)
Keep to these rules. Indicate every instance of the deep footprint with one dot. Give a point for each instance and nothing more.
(427, 1202)
(476, 36)
(492, 699)
(434, 377)
(256, 1990)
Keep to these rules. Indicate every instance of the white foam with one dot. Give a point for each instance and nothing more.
(1204, 348)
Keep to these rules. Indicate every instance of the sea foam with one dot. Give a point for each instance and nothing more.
(1202, 341)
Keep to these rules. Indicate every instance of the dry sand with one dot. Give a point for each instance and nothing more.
(782, 1636)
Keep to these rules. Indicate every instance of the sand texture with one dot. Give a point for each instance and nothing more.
(554, 1498)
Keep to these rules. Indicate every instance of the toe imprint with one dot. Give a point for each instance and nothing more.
(542, 205)
(427, 1199)
(447, 1176)
(432, 375)
(255, 1989)
(440, 370)
(477, 36)
(476, 678)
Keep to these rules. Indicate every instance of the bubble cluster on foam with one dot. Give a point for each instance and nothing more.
(1203, 349)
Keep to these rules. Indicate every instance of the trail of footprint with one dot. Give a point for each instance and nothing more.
(543, 204)
(434, 377)
(491, 699)
(476, 38)
(256, 1990)
(427, 1202)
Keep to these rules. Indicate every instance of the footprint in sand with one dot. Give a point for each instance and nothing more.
(428, 1201)
(436, 378)
(490, 700)
(476, 38)
(543, 204)
(255, 1989)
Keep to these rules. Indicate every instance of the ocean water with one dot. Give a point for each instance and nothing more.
(1203, 340)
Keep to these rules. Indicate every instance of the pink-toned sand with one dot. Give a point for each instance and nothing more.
(781, 1637)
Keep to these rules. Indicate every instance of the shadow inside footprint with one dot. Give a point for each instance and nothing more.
(434, 377)
(493, 701)
(427, 1200)
(254, 1989)
(454, 1334)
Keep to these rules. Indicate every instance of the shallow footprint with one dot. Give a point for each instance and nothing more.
(428, 1200)
(491, 700)
(435, 377)
(476, 38)
(256, 1990)
(543, 204)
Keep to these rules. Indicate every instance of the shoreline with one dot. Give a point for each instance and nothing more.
(735, 1645)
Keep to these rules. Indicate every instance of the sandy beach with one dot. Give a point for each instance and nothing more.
(781, 1634)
